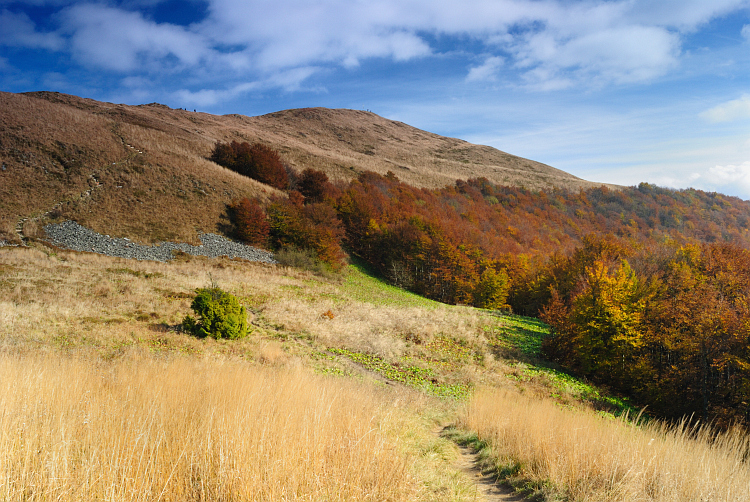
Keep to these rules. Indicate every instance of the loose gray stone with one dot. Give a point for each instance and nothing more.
(71, 235)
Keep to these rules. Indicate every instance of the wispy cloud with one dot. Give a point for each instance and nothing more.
(487, 71)
(736, 109)
(549, 43)
(289, 80)
(17, 30)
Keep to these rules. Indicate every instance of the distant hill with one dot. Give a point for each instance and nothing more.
(142, 171)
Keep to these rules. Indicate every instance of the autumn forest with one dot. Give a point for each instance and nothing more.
(647, 289)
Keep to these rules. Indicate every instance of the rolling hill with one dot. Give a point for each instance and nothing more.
(141, 171)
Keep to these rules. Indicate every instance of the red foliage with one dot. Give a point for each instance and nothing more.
(258, 161)
(250, 222)
(314, 226)
(314, 185)
(267, 167)
(296, 198)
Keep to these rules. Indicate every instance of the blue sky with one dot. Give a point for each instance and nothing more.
(618, 91)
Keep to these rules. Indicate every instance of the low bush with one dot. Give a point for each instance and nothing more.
(256, 161)
(219, 313)
(304, 259)
(250, 222)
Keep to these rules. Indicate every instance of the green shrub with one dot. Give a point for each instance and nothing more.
(219, 313)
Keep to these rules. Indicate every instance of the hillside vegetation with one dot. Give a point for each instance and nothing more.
(338, 393)
(140, 171)
(646, 288)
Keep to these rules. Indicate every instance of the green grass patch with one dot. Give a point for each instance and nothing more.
(525, 334)
(451, 350)
(414, 376)
(565, 384)
(515, 332)
(361, 286)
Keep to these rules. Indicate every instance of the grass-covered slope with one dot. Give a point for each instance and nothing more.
(338, 393)
(141, 171)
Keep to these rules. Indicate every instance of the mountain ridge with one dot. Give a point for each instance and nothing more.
(141, 170)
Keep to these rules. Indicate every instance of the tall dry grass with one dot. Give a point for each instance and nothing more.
(179, 429)
(583, 456)
(100, 311)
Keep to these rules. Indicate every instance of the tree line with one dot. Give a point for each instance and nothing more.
(665, 323)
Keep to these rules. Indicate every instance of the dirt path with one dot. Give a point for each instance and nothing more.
(486, 488)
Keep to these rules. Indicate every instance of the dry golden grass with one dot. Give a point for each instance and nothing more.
(83, 300)
(103, 399)
(583, 456)
(179, 429)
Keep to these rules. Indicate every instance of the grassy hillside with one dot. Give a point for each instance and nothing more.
(126, 171)
(347, 388)
(339, 393)
(140, 171)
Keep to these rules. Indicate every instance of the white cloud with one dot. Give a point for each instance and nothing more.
(745, 32)
(282, 34)
(487, 71)
(737, 109)
(730, 178)
(210, 97)
(122, 41)
(621, 55)
(17, 30)
(204, 97)
(547, 44)
(554, 43)
(290, 80)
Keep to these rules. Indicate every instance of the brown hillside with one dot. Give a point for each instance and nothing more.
(345, 142)
(142, 171)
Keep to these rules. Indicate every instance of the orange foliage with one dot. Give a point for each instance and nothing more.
(250, 222)
(258, 161)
